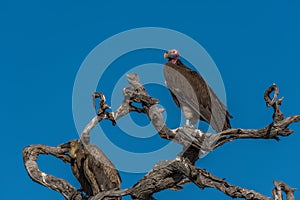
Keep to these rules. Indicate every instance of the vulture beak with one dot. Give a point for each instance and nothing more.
(166, 55)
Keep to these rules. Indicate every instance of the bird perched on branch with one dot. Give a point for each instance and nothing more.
(92, 168)
(193, 95)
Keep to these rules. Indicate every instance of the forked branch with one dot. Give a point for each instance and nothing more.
(170, 174)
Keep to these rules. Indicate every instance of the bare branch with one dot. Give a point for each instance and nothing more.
(165, 174)
(85, 135)
(278, 115)
(111, 193)
(279, 187)
(279, 126)
(204, 141)
(170, 174)
(196, 142)
(30, 155)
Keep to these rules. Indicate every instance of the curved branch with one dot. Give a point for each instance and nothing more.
(278, 115)
(281, 186)
(279, 126)
(204, 141)
(165, 174)
(111, 193)
(203, 179)
(170, 174)
(30, 155)
(196, 142)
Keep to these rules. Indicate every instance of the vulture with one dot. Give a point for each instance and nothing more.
(93, 169)
(193, 95)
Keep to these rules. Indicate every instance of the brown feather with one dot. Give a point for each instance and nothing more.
(189, 88)
(95, 172)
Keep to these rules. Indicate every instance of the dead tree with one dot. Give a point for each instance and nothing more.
(87, 160)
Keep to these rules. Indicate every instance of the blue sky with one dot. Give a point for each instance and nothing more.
(42, 46)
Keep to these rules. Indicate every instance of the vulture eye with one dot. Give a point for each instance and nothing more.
(174, 52)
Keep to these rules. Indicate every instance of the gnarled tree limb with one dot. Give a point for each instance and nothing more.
(281, 186)
(170, 174)
(30, 155)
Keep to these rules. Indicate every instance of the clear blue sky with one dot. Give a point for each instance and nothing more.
(42, 45)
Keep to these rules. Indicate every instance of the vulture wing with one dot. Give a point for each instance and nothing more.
(189, 88)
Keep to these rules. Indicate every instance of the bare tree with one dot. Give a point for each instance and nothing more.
(168, 174)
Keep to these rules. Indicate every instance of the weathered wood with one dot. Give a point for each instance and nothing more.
(281, 186)
(171, 174)
(30, 155)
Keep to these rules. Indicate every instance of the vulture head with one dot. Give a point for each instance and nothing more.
(172, 55)
(74, 147)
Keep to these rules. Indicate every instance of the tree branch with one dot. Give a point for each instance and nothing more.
(281, 186)
(165, 174)
(279, 126)
(30, 155)
(170, 173)
(204, 141)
